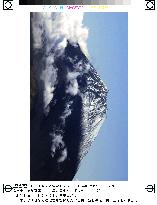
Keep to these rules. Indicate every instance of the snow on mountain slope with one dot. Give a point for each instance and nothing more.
(71, 101)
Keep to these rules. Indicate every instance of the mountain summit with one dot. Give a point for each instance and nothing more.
(67, 110)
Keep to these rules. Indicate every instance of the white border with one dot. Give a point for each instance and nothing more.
(14, 103)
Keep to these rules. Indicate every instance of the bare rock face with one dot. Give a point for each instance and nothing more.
(68, 106)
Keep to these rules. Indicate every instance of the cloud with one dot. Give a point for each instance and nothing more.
(63, 156)
(57, 136)
(58, 145)
(58, 28)
(67, 112)
(37, 30)
(49, 77)
(73, 87)
(72, 84)
(52, 30)
(72, 75)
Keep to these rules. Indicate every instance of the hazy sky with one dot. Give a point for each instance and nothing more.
(108, 49)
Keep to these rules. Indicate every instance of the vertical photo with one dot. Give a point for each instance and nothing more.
(78, 96)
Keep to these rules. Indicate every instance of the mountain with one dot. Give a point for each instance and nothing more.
(68, 106)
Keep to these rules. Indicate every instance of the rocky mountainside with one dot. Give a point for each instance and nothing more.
(68, 108)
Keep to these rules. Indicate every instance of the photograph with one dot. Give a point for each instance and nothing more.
(78, 96)
(78, 104)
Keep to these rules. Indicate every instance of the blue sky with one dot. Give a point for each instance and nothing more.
(107, 159)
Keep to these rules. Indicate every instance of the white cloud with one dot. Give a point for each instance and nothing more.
(57, 28)
(49, 77)
(58, 144)
(72, 88)
(63, 156)
(67, 112)
(37, 30)
(72, 75)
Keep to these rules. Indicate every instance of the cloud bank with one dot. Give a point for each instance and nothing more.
(50, 34)
(52, 30)
(58, 28)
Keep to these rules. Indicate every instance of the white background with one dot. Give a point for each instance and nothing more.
(15, 100)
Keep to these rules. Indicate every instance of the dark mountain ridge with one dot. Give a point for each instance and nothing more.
(61, 137)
